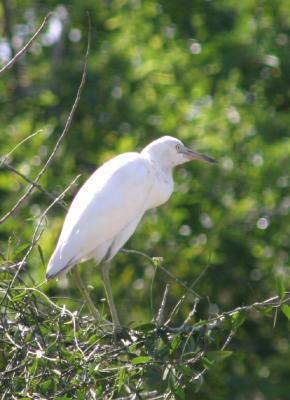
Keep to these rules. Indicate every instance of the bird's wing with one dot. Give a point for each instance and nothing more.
(108, 201)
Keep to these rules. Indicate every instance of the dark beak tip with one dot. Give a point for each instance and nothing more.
(210, 160)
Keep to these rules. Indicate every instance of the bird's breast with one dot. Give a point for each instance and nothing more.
(161, 189)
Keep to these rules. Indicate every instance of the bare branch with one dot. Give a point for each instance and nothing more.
(160, 316)
(64, 132)
(226, 343)
(4, 163)
(151, 259)
(36, 237)
(37, 185)
(26, 47)
(6, 156)
(274, 302)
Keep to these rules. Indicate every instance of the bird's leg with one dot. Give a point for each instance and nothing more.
(105, 267)
(84, 292)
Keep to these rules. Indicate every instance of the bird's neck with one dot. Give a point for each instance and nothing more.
(164, 164)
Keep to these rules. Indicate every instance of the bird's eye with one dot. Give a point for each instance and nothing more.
(178, 148)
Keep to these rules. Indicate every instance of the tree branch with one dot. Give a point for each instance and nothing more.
(35, 238)
(151, 259)
(26, 47)
(64, 132)
(35, 184)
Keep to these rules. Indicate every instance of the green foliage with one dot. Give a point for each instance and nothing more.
(57, 353)
(286, 310)
(214, 74)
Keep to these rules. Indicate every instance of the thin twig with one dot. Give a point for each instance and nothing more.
(177, 305)
(4, 163)
(184, 296)
(226, 343)
(35, 238)
(64, 132)
(33, 183)
(144, 396)
(62, 309)
(160, 316)
(26, 47)
(6, 156)
(274, 302)
(228, 339)
(172, 276)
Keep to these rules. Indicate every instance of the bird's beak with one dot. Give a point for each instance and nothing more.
(192, 155)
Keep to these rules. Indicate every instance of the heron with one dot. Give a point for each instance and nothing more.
(109, 206)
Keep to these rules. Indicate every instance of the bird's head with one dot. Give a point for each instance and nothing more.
(170, 152)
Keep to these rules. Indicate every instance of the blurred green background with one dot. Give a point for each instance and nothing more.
(215, 74)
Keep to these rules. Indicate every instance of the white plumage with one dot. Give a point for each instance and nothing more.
(108, 207)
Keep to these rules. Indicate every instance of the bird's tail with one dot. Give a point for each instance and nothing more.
(57, 265)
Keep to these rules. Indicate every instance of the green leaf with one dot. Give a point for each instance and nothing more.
(207, 363)
(165, 373)
(280, 287)
(184, 369)
(265, 310)
(121, 378)
(22, 247)
(189, 355)
(46, 386)
(41, 255)
(81, 394)
(175, 344)
(179, 393)
(93, 339)
(20, 296)
(141, 360)
(237, 319)
(286, 310)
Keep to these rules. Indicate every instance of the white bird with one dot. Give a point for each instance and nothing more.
(109, 206)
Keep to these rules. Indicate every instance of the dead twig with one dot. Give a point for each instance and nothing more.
(33, 183)
(60, 139)
(4, 163)
(7, 156)
(26, 47)
(36, 237)
(170, 274)
(274, 302)
(160, 315)
(192, 285)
